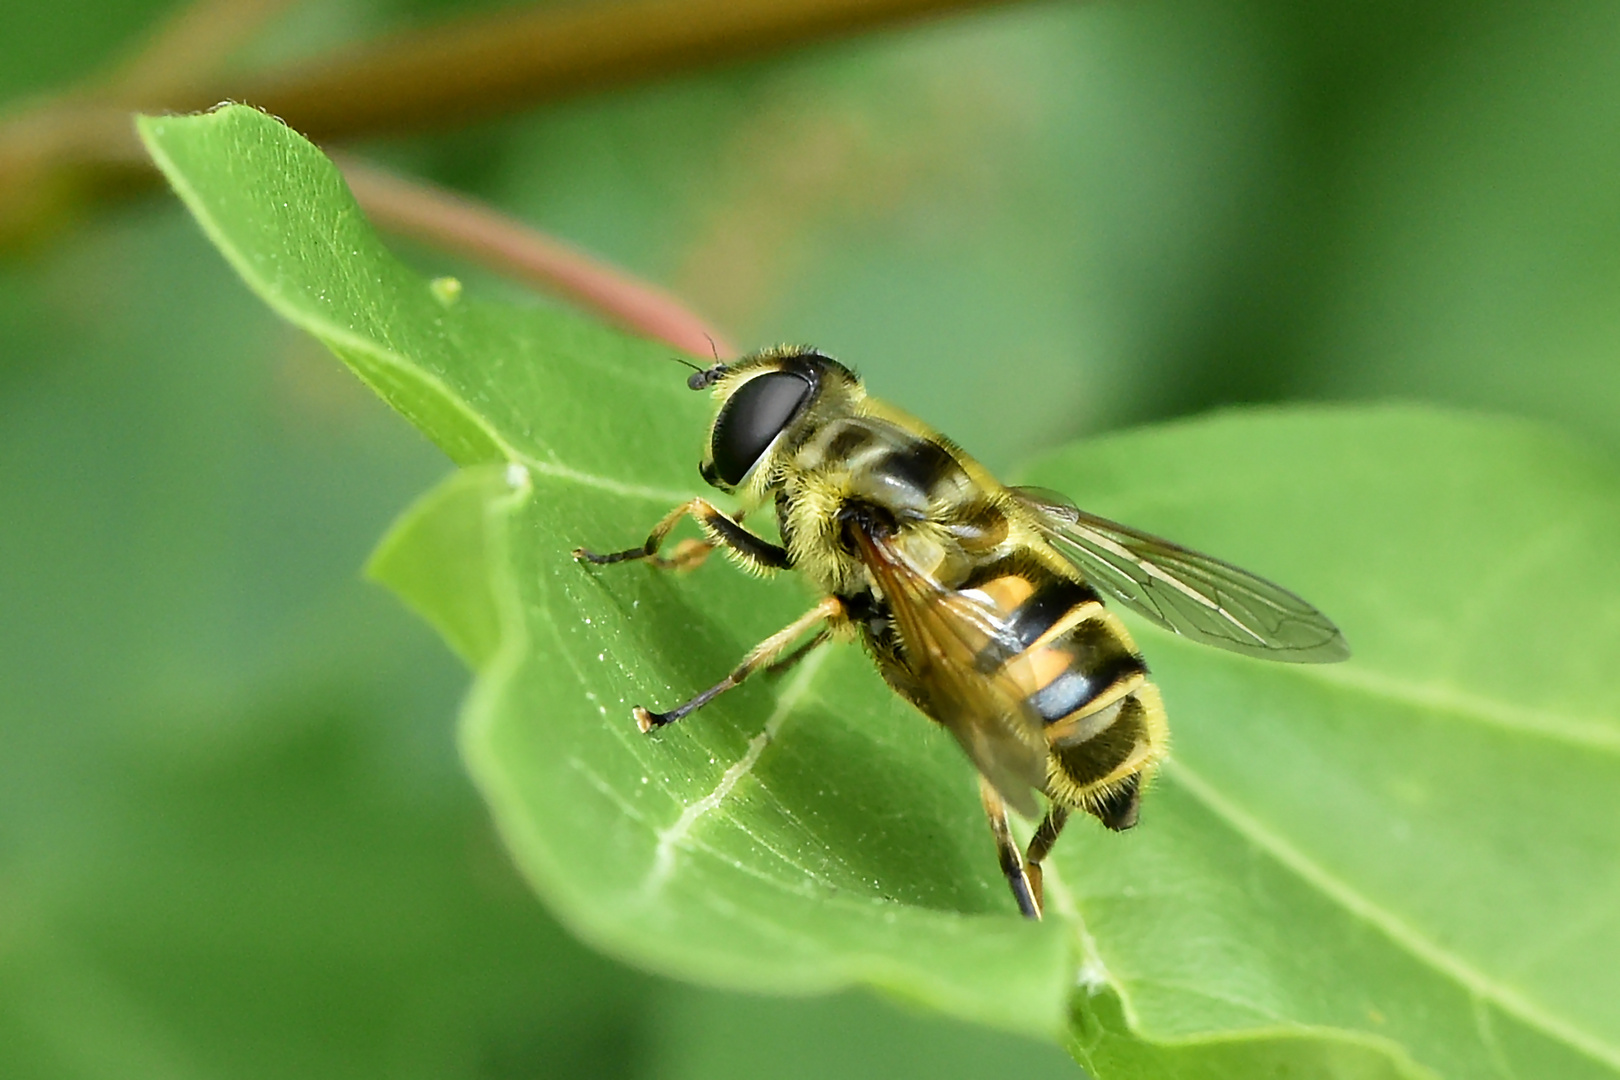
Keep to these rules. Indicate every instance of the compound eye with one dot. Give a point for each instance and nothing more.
(751, 418)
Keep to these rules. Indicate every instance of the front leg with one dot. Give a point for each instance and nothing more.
(754, 552)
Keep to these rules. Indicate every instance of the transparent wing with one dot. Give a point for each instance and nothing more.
(1193, 594)
(956, 647)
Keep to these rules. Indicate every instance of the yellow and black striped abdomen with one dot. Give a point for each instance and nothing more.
(1080, 672)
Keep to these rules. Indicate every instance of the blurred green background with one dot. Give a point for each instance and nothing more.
(234, 836)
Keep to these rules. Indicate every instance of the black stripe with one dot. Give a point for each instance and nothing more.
(921, 465)
(1090, 761)
(985, 573)
(1049, 603)
(1100, 661)
(850, 438)
(979, 526)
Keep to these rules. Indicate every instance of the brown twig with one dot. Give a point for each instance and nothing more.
(186, 52)
(504, 244)
(72, 149)
(493, 63)
(66, 151)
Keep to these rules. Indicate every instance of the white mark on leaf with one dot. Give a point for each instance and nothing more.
(672, 838)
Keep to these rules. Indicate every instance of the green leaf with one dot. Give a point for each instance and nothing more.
(787, 886)
(1418, 845)
(234, 838)
(1401, 866)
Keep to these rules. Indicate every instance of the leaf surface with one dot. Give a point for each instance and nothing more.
(1404, 866)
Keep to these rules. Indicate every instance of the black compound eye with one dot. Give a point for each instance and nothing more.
(752, 417)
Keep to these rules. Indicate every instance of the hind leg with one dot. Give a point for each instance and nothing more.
(1012, 863)
(1040, 845)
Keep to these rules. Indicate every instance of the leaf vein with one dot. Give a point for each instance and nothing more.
(1470, 978)
(1092, 975)
(560, 471)
(1487, 1036)
(1518, 719)
(675, 835)
(1598, 734)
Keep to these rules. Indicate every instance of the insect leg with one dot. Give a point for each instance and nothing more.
(791, 659)
(1040, 845)
(759, 656)
(1012, 864)
(754, 551)
(655, 539)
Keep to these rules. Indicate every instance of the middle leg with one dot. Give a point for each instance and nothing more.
(830, 609)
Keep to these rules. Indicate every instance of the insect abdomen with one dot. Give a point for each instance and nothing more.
(1084, 678)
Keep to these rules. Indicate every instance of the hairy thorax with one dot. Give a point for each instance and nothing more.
(941, 518)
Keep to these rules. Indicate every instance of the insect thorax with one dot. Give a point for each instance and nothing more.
(920, 486)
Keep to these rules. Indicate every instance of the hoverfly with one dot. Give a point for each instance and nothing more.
(981, 604)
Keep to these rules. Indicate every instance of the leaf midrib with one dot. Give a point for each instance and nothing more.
(677, 833)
